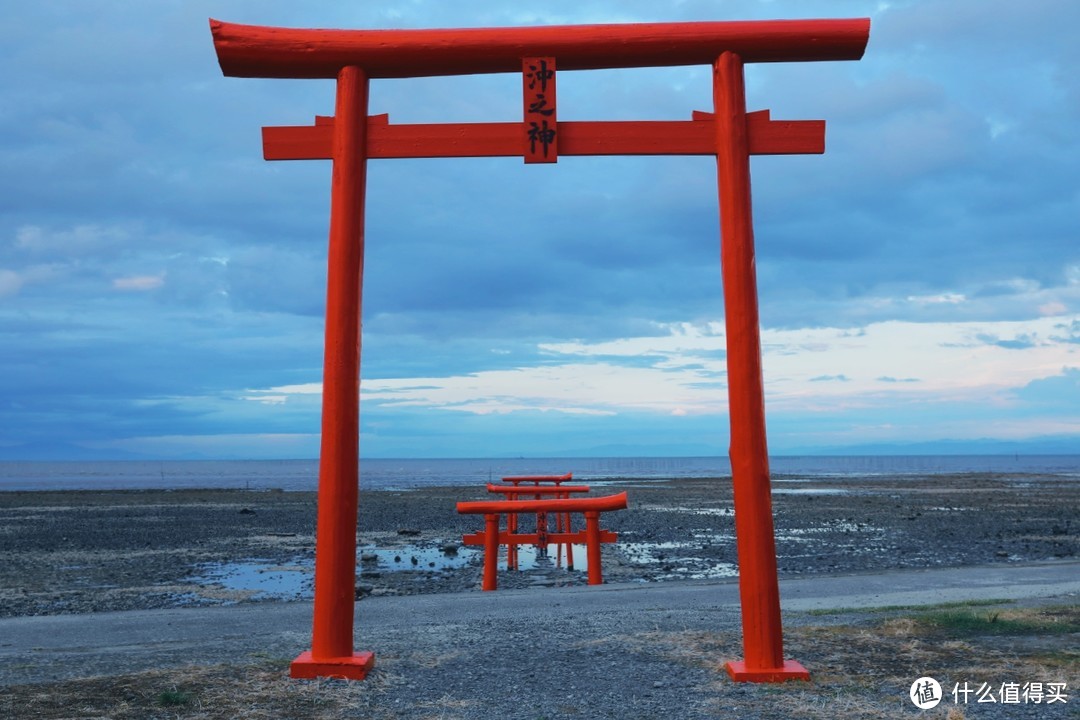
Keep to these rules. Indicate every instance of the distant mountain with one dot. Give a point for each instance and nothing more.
(44, 451)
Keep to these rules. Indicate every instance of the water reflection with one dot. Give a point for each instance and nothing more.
(260, 579)
(414, 557)
(530, 558)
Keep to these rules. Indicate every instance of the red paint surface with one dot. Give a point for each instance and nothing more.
(740, 671)
(335, 559)
(537, 479)
(256, 51)
(620, 137)
(515, 492)
(758, 587)
(600, 504)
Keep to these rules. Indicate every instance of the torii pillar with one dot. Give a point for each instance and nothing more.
(331, 651)
(350, 138)
(759, 593)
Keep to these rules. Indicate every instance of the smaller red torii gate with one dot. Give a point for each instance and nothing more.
(351, 137)
(491, 538)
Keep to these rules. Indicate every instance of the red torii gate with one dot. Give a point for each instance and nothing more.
(350, 137)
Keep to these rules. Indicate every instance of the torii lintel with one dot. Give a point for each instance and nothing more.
(626, 137)
(271, 52)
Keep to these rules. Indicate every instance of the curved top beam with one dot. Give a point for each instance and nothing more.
(539, 478)
(270, 52)
(536, 489)
(596, 504)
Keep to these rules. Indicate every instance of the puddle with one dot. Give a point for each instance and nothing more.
(712, 512)
(842, 526)
(812, 534)
(433, 559)
(262, 579)
(529, 558)
(715, 512)
(668, 559)
(412, 557)
(269, 580)
(810, 491)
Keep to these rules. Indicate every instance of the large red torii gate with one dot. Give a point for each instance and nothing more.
(350, 137)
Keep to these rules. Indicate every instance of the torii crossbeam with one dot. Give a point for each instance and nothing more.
(351, 137)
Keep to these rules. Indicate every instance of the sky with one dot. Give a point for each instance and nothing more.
(162, 287)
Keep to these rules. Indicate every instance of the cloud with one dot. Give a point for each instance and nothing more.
(1072, 330)
(268, 399)
(944, 298)
(157, 277)
(678, 372)
(1058, 393)
(140, 283)
(10, 282)
(80, 240)
(574, 388)
(1021, 342)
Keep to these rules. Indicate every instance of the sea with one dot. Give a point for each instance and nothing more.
(407, 474)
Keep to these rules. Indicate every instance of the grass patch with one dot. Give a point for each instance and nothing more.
(908, 608)
(173, 698)
(967, 622)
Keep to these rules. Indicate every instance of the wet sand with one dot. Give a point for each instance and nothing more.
(87, 551)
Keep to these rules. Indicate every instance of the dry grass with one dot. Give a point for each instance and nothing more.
(445, 708)
(864, 670)
(860, 670)
(218, 692)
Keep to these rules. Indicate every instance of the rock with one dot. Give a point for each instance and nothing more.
(410, 532)
(369, 558)
(449, 549)
(246, 511)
